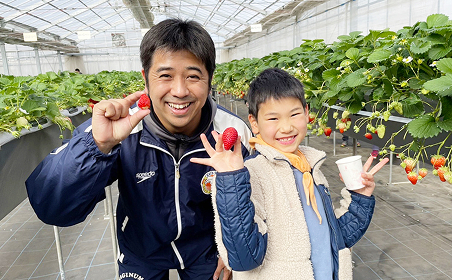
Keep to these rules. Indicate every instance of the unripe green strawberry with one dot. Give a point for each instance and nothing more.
(335, 114)
(345, 114)
(392, 147)
(22, 122)
(381, 131)
(398, 107)
(386, 115)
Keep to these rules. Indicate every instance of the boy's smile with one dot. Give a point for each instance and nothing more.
(281, 123)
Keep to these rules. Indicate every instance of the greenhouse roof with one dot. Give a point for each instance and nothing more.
(68, 25)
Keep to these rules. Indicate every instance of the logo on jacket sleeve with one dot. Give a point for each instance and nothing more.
(207, 181)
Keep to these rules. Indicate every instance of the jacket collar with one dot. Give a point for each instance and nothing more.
(313, 156)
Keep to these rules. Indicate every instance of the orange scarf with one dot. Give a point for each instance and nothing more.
(300, 162)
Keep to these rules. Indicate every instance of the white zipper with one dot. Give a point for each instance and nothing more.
(176, 196)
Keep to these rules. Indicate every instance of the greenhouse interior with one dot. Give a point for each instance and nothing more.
(377, 80)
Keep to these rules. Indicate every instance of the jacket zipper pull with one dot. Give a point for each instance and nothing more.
(177, 171)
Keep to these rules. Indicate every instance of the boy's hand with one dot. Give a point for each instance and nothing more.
(111, 122)
(220, 159)
(368, 177)
(227, 274)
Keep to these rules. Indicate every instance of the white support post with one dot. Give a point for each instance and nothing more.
(59, 252)
(114, 241)
(334, 143)
(4, 58)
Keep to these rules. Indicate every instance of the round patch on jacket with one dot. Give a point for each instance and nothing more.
(207, 181)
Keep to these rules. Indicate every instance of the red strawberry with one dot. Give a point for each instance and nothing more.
(144, 102)
(230, 136)
(92, 101)
(91, 105)
(412, 176)
(409, 164)
(312, 117)
(327, 131)
(423, 172)
(368, 135)
(438, 161)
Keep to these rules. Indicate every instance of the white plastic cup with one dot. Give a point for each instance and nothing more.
(351, 169)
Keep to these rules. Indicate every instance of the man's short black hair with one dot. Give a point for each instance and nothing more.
(273, 83)
(177, 35)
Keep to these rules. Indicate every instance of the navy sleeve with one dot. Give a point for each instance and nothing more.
(356, 220)
(66, 186)
(246, 246)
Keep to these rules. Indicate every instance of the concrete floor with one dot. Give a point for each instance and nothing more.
(410, 236)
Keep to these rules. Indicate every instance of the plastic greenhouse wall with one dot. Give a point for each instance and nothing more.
(327, 21)
(339, 17)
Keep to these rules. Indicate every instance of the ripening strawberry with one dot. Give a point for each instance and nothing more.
(312, 117)
(144, 102)
(441, 171)
(327, 131)
(381, 131)
(423, 172)
(368, 135)
(438, 161)
(413, 177)
(410, 163)
(341, 127)
(229, 137)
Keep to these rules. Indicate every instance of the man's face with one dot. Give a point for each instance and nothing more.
(178, 88)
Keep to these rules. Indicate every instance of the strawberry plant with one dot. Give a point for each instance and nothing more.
(405, 73)
(32, 101)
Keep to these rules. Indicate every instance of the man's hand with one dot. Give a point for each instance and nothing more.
(368, 177)
(111, 122)
(220, 159)
(227, 274)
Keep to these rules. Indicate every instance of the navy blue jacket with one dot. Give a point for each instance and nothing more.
(164, 217)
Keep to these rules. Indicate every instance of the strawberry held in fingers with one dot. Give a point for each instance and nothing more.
(230, 136)
(144, 102)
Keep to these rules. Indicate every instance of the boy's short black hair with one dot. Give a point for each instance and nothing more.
(273, 83)
(177, 35)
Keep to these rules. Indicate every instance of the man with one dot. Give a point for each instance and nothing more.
(164, 213)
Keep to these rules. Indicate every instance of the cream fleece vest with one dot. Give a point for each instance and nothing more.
(276, 200)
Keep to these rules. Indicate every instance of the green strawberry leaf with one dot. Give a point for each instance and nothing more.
(445, 65)
(445, 125)
(437, 20)
(378, 55)
(439, 84)
(420, 46)
(352, 53)
(330, 74)
(438, 52)
(423, 127)
(357, 78)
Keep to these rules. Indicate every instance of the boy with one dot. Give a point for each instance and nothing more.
(276, 215)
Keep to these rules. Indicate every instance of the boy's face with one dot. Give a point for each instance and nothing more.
(178, 88)
(281, 123)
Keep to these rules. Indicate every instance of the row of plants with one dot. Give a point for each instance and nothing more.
(27, 101)
(406, 73)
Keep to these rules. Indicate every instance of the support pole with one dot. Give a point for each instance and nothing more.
(60, 62)
(59, 252)
(38, 61)
(334, 142)
(114, 241)
(355, 144)
(390, 167)
(4, 58)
